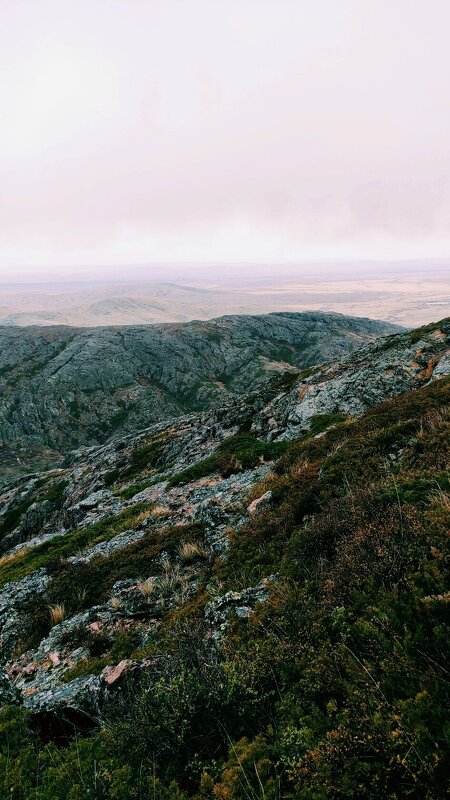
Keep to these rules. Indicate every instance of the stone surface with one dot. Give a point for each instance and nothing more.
(112, 674)
(259, 504)
(9, 694)
(64, 387)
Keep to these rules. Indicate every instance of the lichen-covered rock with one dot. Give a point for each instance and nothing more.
(82, 695)
(16, 599)
(219, 612)
(9, 695)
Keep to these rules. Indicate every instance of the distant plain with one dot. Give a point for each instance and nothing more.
(408, 294)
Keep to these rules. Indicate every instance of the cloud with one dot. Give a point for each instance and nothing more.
(237, 129)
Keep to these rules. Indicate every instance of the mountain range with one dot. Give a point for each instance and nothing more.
(62, 387)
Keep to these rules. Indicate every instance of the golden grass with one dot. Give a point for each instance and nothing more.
(9, 558)
(57, 613)
(188, 551)
(160, 511)
(146, 587)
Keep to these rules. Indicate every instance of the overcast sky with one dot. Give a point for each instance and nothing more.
(223, 130)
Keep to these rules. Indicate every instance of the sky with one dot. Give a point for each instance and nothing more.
(225, 131)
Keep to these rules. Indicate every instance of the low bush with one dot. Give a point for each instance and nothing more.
(51, 554)
(235, 454)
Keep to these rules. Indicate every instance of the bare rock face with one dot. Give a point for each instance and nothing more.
(112, 674)
(259, 504)
(80, 697)
(65, 387)
(349, 387)
(9, 694)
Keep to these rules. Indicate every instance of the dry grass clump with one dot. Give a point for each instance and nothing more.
(81, 595)
(9, 558)
(160, 511)
(171, 580)
(57, 613)
(141, 517)
(188, 551)
(146, 587)
(115, 602)
(439, 497)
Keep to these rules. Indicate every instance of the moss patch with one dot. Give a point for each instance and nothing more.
(235, 454)
(61, 547)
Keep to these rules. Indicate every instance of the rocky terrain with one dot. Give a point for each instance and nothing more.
(63, 387)
(196, 541)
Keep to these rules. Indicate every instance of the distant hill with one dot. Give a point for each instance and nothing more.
(63, 387)
(409, 294)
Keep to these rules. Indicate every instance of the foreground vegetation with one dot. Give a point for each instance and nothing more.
(337, 687)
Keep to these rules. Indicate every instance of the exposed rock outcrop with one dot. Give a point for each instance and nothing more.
(65, 387)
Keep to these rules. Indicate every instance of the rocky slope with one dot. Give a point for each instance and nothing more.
(194, 522)
(197, 469)
(63, 387)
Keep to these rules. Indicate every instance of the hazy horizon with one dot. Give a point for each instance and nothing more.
(408, 294)
(222, 133)
(190, 272)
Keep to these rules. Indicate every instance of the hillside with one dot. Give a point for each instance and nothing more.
(65, 387)
(245, 602)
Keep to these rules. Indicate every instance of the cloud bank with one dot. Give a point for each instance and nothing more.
(233, 130)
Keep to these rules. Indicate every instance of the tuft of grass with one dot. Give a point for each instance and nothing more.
(171, 581)
(115, 602)
(190, 551)
(57, 613)
(146, 588)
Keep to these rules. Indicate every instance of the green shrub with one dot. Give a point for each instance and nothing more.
(235, 454)
(50, 553)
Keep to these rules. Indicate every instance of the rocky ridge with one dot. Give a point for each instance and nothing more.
(63, 387)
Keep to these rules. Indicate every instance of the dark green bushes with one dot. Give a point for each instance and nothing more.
(61, 547)
(235, 454)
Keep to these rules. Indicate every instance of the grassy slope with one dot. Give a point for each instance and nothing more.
(338, 686)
